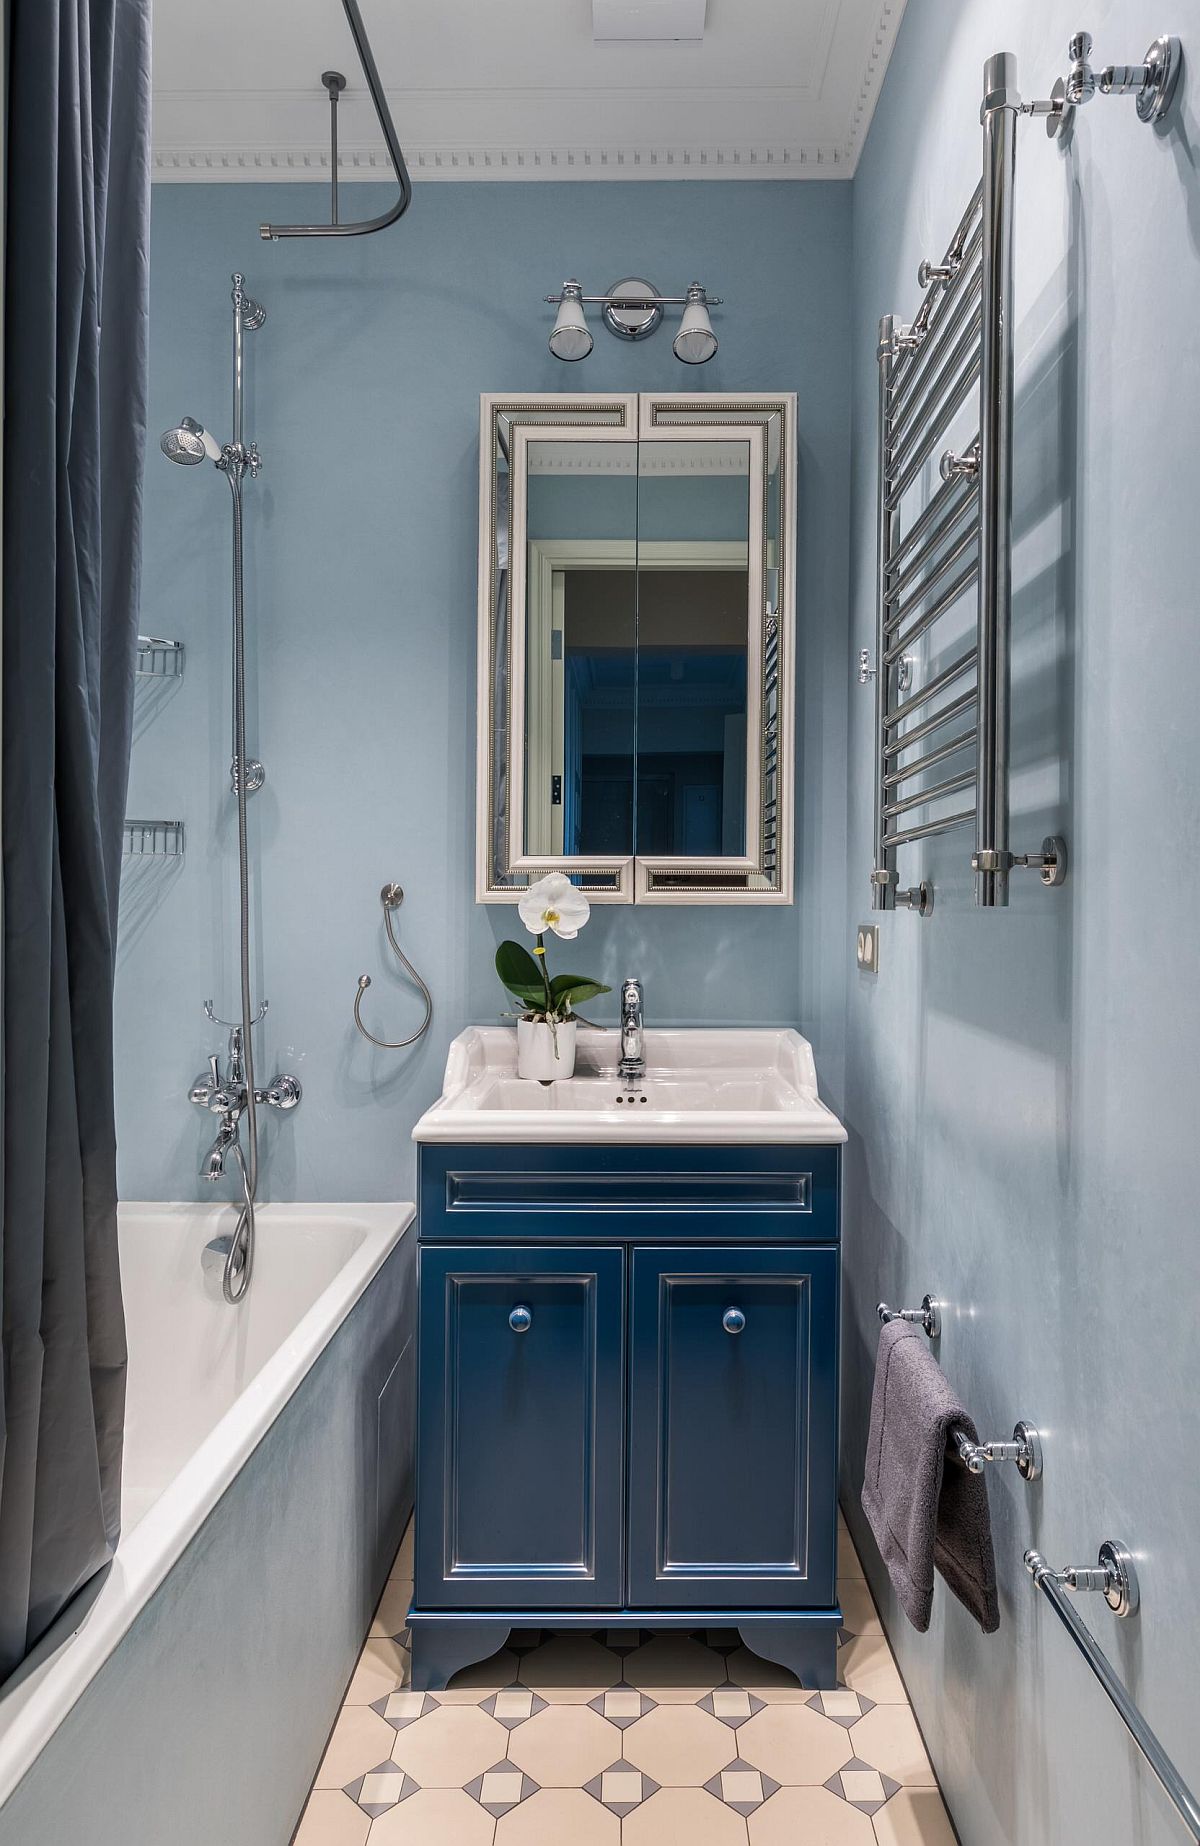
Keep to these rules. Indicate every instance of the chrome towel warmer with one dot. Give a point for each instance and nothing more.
(961, 340)
(1113, 1575)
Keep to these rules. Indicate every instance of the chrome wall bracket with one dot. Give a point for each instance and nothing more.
(1025, 1449)
(1050, 864)
(1152, 83)
(1113, 1576)
(918, 897)
(928, 1315)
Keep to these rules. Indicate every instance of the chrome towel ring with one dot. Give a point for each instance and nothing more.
(391, 897)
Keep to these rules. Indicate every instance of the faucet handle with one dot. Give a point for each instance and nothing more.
(207, 1084)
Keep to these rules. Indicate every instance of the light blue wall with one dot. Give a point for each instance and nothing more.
(361, 544)
(1021, 1085)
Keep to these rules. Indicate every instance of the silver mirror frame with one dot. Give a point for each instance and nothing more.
(765, 873)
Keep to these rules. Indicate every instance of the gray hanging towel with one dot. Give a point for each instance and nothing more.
(922, 1512)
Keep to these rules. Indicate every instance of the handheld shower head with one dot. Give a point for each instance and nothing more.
(188, 443)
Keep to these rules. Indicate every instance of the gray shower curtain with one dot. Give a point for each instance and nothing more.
(76, 307)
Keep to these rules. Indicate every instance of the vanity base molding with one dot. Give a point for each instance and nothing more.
(804, 1641)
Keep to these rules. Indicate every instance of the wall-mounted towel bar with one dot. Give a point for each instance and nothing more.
(928, 1315)
(1115, 1577)
(1025, 1449)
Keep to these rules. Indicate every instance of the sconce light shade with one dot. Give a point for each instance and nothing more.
(695, 342)
(571, 339)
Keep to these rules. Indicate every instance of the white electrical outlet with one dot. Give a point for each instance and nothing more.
(868, 947)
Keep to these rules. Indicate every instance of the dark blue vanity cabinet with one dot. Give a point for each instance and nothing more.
(628, 1397)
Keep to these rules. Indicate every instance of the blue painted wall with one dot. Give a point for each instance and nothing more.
(1021, 1085)
(361, 545)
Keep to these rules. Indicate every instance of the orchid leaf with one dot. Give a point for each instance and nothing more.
(571, 990)
(521, 974)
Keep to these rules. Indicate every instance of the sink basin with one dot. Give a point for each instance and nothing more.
(702, 1086)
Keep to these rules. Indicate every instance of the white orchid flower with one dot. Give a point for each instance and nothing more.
(554, 904)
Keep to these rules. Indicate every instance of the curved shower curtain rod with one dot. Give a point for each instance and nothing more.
(335, 83)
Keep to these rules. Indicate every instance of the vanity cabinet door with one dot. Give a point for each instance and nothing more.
(733, 1427)
(521, 1421)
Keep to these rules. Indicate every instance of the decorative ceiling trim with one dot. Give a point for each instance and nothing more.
(878, 55)
(829, 159)
(782, 161)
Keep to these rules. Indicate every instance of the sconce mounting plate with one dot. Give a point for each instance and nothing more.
(632, 308)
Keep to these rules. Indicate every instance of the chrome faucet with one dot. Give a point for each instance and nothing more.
(227, 1098)
(632, 1066)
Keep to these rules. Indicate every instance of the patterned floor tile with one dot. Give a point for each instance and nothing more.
(559, 1817)
(866, 1666)
(681, 1746)
(621, 1787)
(381, 1788)
(435, 1817)
(501, 1788)
(391, 1617)
(626, 1737)
(772, 1682)
(858, 1610)
(741, 1786)
(809, 1817)
(401, 1708)
(862, 1786)
(383, 1667)
(474, 1683)
(889, 1740)
(450, 1746)
(360, 1739)
(794, 1744)
(731, 1704)
(570, 1669)
(331, 1819)
(683, 1817)
(843, 1707)
(914, 1817)
(564, 1745)
(513, 1706)
(622, 1705)
(674, 1669)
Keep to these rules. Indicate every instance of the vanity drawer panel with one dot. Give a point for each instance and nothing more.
(691, 1194)
(733, 1427)
(521, 1418)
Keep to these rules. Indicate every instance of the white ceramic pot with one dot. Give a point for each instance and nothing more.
(536, 1048)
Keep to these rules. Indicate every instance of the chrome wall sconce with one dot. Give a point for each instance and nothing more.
(632, 309)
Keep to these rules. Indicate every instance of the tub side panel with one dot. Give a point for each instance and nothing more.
(208, 1720)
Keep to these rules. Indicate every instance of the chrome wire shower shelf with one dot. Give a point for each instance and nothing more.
(153, 839)
(158, 659)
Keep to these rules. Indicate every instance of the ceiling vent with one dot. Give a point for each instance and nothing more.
(647, 19)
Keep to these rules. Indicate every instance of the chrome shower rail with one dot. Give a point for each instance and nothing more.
(1114, 1576)
(958, 349)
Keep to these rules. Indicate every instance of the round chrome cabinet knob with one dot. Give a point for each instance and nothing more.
(520, 1320)
(733, 1320)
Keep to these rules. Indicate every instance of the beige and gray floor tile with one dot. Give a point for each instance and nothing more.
(332, 1819)
(809, 1817)
(559, 1817)
(626, 1738)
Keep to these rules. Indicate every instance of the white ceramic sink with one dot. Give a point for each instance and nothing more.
(702, 1086)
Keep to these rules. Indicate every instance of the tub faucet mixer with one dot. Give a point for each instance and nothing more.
(632, 1066)
(226, 1096)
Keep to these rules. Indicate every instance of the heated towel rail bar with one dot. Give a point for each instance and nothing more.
(1114, 1576)
(957, 350)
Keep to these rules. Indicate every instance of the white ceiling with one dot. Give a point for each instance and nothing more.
(484, 90)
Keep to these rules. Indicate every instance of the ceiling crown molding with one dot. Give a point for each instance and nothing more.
(796, 160)
(285, 156)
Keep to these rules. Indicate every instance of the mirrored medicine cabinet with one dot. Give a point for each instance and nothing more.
(636, 646)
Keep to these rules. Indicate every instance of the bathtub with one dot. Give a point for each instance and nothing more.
(267, 1481)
